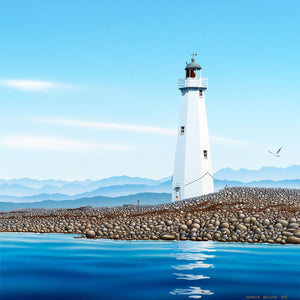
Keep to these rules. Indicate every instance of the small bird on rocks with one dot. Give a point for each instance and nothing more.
(277, 153)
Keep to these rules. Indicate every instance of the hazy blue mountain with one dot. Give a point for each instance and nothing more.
(265, 173)
(110, 191)
(30, 187)
(165, 179)
(144, 198)
(35, 183)
(36, 198)
(16, 190)
(122, 180)
(73, 188)
(128, 189)
(290, 184)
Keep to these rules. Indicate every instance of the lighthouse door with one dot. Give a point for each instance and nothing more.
(177, 192)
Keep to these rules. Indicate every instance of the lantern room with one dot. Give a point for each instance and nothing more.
(191, 69)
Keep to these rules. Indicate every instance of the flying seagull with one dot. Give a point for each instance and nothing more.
(277, 153)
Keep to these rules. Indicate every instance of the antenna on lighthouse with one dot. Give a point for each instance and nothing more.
(193, 55)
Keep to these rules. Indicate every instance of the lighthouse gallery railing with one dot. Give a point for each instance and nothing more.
(193, 82)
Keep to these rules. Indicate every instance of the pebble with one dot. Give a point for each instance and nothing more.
(296, 233)
(195, 225)
(293, 240)
(283, 222)
(287, 233)
(241, 227)
(209, 236)
(293, 225)
(224, 225)
(90, 234)
(278, 225)
(258, 230)
(183, 227)
(167, 237)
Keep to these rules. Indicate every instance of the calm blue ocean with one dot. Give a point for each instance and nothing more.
(55, 266)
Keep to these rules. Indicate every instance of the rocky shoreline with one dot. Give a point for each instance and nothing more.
(240, 214)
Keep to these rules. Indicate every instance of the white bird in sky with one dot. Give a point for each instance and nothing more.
(277, 153)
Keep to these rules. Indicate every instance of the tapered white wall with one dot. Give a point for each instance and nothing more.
(192, 171)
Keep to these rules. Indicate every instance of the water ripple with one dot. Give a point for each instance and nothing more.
(192, 256)
(196, 265)
(192, 292)
(190, 276)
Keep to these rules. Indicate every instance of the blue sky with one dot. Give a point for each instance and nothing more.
(88, 89)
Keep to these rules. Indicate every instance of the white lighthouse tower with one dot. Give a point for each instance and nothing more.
(193, 171)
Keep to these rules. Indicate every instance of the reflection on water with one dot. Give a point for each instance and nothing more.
(193, 292)
(196, 247)
(190, 276)
(193, 256)
(196, 265)
(196, 257)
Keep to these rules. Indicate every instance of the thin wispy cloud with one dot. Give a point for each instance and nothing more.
(228, 141)
(110, 126)
(32, 85)
(137, 128)
(32, 142)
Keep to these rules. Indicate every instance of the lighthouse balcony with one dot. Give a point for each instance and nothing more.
(193, 82)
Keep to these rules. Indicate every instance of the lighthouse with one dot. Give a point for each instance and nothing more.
(192, 175)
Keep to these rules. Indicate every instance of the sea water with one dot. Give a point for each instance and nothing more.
(57, 266)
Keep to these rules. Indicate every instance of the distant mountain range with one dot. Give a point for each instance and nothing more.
(108, 191)
(288, 184)
(27, 190)
(265, 173)
(99, 201)
(31, 187)
(125, 190)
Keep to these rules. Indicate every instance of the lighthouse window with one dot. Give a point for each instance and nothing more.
(205, 153)
(182, 130)
(201, 93)
(177, 193)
